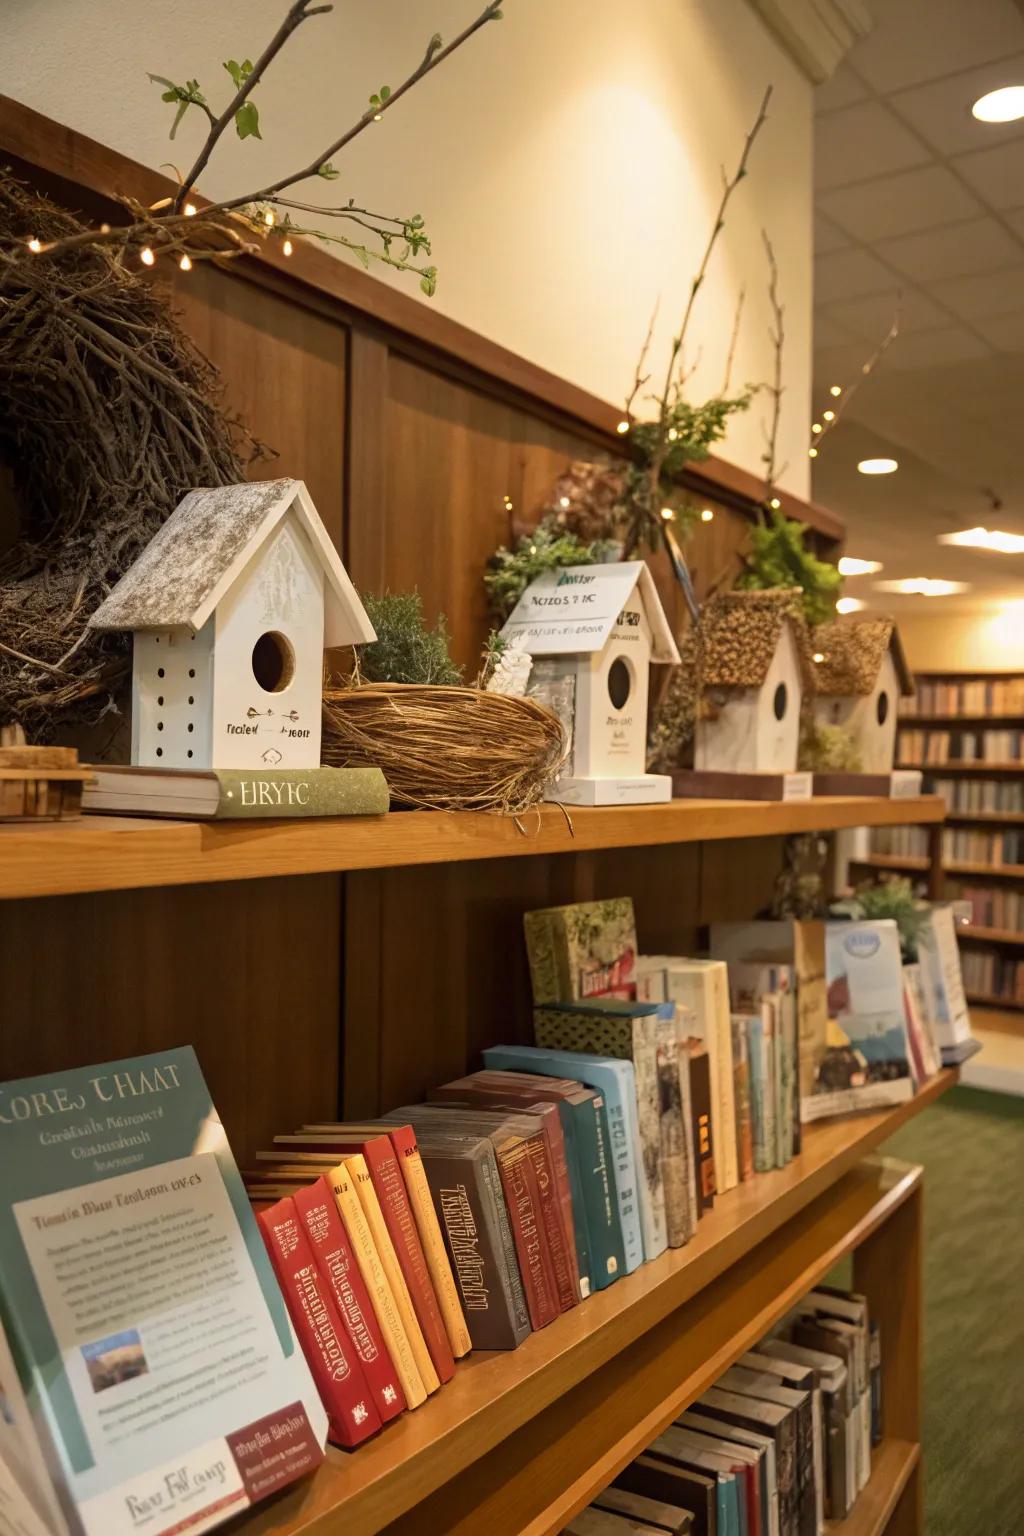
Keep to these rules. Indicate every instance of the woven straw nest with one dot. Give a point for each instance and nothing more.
(446, 749)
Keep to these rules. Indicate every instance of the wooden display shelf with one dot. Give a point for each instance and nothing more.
(518, 1442)
(109, 853)
(989, 818)
(988, 871)
(958, 765)
(892, 1466)
(993, 1000)
(982, 935)
(909, 722)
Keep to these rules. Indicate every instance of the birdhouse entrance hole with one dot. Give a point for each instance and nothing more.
(620, 683)
(273, 662)
(882, 708)
(780, 701)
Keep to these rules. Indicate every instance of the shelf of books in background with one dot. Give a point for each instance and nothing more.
(151, 1378)
(781, 1443)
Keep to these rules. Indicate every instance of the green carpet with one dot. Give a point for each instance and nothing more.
(971, 1145)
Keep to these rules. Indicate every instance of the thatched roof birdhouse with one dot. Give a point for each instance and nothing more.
(858, 683)
(754, 671)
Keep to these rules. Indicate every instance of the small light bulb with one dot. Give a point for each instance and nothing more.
(563, 501)
(836, 391)
(816, 426)
(268, 218)
(623, 426)
(775, 503)
(672, 434)
(35, 246)
(287, 247)
(146, 256)
(190, 210)
(185, 263)
(533, 549)
(828, 415)
(707, 516)
(376, 117)
(812, 453)
(667, 514)
(818, 657)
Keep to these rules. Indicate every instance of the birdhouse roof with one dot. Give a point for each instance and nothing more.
(573, 610)
(206, 544)
(740, 633)
(853, 651)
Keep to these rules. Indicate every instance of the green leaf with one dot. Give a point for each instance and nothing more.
(162, 80)
(375, 100)
(385, 92)
(238, 72)
(328, 172)
(428, 282)
(182, 109)
(247, 121)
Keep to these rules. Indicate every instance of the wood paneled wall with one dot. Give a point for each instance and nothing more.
(301, 995)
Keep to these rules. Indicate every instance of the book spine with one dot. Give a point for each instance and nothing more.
(741, 1084)
(403, 1139)
(573, 1212)
(674, 1161)
(377, 1283)
(505, 1248)
(246, 794)
(686, 1104)
(703, 1130)
(722, 1078)
(360, 1176)
(540, 952)
(648, 1142)
(552, 1218)
(769, 1042)
(522, 1202)
(461, 1196)
(382, 1164)
(339, 1380)
(325, 1233)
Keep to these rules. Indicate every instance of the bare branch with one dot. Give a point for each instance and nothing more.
(640, 378)
(867, 369)
(731, 358)
(777, 336)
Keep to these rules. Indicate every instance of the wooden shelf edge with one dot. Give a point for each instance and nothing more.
(108, 853)
(980, 934)
(892, 1466)
(993, 1000)
(495, 1396)
(954, 867)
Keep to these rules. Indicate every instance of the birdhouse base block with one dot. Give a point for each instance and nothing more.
(709, 784)
(901, 784)
(637, 789)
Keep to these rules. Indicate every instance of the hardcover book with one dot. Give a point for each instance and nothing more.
(658, 1479)
(582, 951)
(130, 1261)
(237, 793)
(939, 956)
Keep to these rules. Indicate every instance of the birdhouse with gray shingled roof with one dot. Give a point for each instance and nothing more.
(231, 606)
(754, 671)
(858, 683)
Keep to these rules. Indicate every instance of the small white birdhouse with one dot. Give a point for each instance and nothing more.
(754, 672)
(859, 682)
(231, 605)
(595, 629)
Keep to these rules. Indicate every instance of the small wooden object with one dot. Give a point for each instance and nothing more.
(41, 783)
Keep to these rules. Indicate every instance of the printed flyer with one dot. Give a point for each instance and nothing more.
(151, 1380)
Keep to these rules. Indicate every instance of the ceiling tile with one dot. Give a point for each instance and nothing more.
(941, 110)
(1016, 219)
(847, 274)
(860, 142)
(935, 349)
(829, 332)
(828, 236)
(1006, 333)
(912, 42)
(984, 295)
(837, 365)
(997, 173)
(870, 318)
(956, 250)
(901, 204)
(842, 90)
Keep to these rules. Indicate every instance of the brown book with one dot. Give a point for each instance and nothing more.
(672, 1484)
(703, 1130)
(673, 1518)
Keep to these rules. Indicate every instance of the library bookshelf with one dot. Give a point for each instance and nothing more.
(975, 720)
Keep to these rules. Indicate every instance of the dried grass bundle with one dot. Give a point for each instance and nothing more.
(446, 749)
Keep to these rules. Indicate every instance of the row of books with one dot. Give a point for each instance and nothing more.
(982, 795)
(994, 906)
(974, 696)
(978, 696)
(990, 974)
(921, 748)
(778, 1446)
(900, 842)
(960, 845)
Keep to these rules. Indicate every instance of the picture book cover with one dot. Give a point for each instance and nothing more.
(154, 1362)
(582, 951)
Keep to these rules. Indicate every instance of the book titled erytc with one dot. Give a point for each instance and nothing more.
(151, 1378)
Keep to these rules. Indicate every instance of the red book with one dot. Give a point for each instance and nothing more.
(351, 1413)
(389, 1185)
(519, 1184)
(325, 1231)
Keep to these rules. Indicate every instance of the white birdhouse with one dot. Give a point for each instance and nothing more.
(231, 605)
(594, 631)
(754, 674)
(859, 682)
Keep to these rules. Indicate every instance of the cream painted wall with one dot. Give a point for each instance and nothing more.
(989, 640)
(567, 161)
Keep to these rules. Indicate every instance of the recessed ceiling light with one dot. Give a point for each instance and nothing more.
(878, 466)
(923, 586)
(986, 538)
(849, 605)
(1002, 106)
(849, 565)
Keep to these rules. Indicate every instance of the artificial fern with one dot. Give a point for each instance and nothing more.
(511, 571)
(405, 650)
(779, 557)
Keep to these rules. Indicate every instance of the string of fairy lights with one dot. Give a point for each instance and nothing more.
(147, 255)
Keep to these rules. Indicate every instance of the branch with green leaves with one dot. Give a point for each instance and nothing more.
(182, 226)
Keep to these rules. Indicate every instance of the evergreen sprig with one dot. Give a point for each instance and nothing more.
(510, 571)
(405, 650)
(779, 557)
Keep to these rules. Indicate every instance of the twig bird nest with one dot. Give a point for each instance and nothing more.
(446, 749)
(108, 415)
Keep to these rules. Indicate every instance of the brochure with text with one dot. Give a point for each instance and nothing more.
(150, 1380)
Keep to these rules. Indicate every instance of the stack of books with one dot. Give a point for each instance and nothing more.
(780, 1444)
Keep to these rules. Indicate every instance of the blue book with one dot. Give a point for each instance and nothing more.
(614, 1080)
